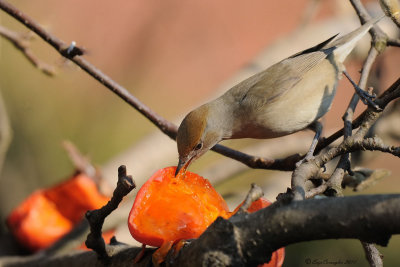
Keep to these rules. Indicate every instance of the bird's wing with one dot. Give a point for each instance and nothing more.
(271, 83)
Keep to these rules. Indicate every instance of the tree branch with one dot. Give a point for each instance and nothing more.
(250, 239)
(96, 218)
(21, 42)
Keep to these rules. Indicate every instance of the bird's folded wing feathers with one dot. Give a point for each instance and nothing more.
(268, 85)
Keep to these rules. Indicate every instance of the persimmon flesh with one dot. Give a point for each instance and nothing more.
(168, 208)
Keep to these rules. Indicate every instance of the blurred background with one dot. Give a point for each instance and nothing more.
(172, 55)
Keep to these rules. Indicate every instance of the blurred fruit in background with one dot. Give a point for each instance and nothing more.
(47, 215)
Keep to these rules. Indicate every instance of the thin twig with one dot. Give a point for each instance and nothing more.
(96, 218)
(374, 257)
(83, 165)
(79, 161)
(254, 194)
(5, 131)
(363, 178)
(21, 42)
(383, 100)
(393, 42)
(316, 191)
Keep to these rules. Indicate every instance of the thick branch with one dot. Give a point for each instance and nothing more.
(250, 239)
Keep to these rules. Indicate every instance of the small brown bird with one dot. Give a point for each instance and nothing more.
(285, 98)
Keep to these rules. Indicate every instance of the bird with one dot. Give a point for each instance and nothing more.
(285, 98)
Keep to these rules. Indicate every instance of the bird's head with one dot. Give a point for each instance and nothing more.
(197, 134)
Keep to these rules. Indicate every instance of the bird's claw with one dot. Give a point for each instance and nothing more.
(367, 98)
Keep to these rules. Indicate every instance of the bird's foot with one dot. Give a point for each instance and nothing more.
(366, 97)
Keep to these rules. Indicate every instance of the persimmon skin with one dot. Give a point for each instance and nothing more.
(169, 208)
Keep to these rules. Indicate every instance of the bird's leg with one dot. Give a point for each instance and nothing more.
(366, 98)
(316, 126)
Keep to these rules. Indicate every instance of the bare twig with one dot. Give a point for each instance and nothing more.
(254, 194)
(80, 162)
(383, 100)
(360, 179)
(374, 257)
(96, 217)
(5, 132)
(393, 42)
(316, 191)
(21, 42)
(364, 178)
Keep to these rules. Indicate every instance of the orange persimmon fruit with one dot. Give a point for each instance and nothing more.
(168, 209)
(37, 223)
(47, 215)
(80, 193)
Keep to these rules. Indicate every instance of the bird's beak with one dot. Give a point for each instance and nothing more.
(182, 165)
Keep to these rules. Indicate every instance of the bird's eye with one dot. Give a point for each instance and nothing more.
(198, 146)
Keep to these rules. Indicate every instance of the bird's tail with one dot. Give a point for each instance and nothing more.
(345, 44)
